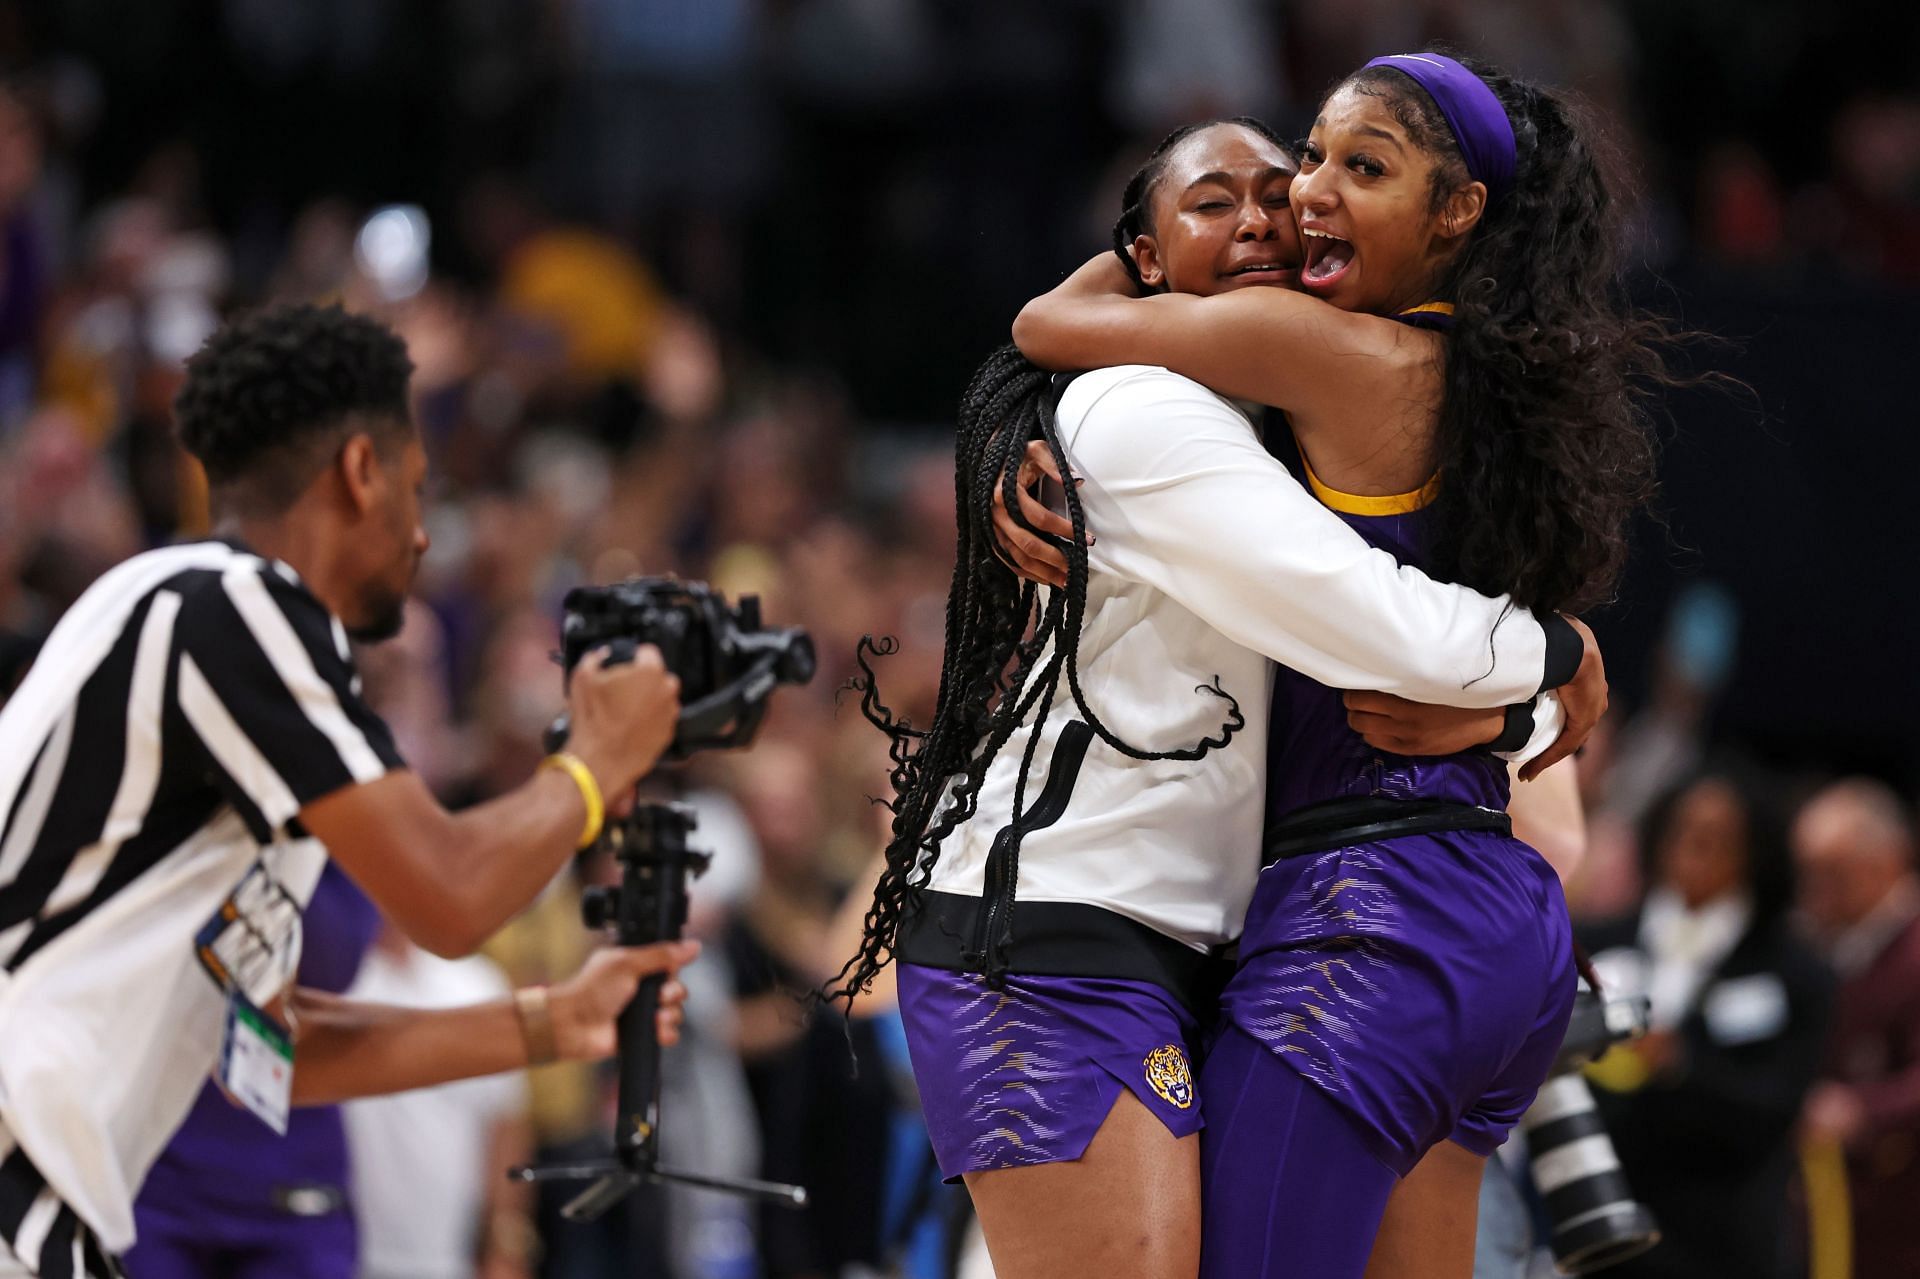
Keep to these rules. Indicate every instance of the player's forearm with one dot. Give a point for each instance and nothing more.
(1267, 345)
(346, 1048)
(1366, 623)
(501, 854)
(1187, 501)
(449, 880)
(1089, 320)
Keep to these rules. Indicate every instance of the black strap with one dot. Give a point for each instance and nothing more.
(1368, 819)
(1515, 731)
(1065, 939)
(1565, 651)
(1069, 753)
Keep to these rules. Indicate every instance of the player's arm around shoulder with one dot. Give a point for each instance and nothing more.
(1272, 346)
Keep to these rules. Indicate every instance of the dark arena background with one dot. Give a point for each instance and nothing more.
(693, 287)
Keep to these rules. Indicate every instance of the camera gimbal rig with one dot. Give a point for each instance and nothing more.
(649, 905)
(728, 666)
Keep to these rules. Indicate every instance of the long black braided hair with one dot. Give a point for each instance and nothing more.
(1007, 646)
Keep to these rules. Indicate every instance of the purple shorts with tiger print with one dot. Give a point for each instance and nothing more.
(1422, 983)
(1027, 1075)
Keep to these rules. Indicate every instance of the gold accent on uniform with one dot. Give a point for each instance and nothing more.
(1169, 1076)
(1365, 504)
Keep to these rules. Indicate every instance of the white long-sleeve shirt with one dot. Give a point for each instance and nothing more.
(1210, 561)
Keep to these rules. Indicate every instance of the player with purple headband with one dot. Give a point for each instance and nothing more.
(1074, 834)
(1467, 402)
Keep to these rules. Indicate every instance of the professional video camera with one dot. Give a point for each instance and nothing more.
(727, 662)
(1595, 1222)
(728, 665)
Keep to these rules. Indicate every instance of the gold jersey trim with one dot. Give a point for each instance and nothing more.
(1363, 504)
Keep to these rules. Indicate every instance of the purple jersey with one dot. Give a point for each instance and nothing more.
(1313, 755)
(1420, 981)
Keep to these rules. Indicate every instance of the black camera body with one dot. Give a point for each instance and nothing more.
(727, 661)
(1596, 1025)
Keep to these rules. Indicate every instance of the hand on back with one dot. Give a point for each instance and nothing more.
(1391, 723)
(1584, 699)
(1029, 553)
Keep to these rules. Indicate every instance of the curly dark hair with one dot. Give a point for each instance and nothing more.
(1005, 654)
(1544, 442)
(1136, 200)
(269, 396)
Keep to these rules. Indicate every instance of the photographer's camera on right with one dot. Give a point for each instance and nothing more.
(1594, 1220)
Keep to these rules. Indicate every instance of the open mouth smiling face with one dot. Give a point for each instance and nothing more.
(1328, 257)
(1368, 220)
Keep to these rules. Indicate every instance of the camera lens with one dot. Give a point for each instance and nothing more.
(1596, 1222)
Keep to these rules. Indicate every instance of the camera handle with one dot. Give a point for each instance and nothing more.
(649, 905)
(741, 704)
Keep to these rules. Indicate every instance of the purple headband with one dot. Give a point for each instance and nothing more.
(1478, 121)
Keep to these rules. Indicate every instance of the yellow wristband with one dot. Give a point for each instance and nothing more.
(582, 776)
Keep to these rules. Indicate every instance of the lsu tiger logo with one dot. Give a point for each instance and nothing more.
(1168, 1075)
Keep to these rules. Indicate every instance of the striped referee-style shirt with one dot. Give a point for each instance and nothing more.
(153, 764)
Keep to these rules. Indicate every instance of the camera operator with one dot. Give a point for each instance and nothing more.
(190, 748)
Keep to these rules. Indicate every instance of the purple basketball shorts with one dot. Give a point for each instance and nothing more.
(1422, 983)
(1026, 1075)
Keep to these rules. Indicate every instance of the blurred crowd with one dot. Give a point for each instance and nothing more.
(689, 285)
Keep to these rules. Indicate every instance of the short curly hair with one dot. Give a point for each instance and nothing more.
(270, 395)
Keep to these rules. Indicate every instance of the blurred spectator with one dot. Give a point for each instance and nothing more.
(1742, 208)
(25, 264)
(1854, 844)
(1182, 60)
(430, 1184)
(1866, 219)
(1632, 760)
(1702, 1109)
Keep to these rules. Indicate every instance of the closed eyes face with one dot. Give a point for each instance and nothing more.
(1374, 241)
(1221, 219)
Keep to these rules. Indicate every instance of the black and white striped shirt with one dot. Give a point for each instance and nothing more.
(152, 766)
